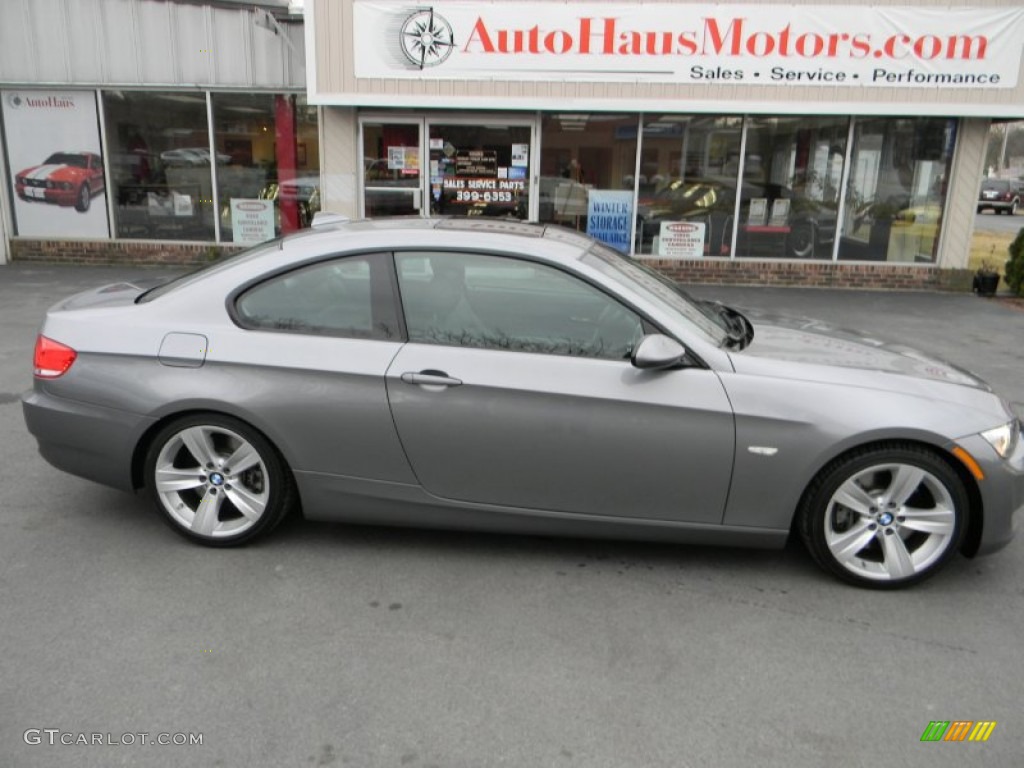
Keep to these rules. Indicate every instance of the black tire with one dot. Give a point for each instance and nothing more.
(872, 533)
(83, 199)
(242, 503)
(802, 240)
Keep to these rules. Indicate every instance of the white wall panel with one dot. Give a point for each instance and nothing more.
(145, 42)
(119, 40)
(962, 192)
(84, 49)
(156, 46)
(231, 55)
(193, 44)
(48, 26)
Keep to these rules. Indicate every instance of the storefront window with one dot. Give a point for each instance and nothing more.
(687, 185)
(479, 170)
(268, 176)
(897, 189)
(792, 173)
(587, 174)
(161, 186)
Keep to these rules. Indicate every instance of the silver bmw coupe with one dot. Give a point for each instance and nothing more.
(501, 376)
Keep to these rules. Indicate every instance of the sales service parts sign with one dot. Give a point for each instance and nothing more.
(783, 45)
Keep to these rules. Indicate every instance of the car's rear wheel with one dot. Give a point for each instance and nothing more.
(216, 480)
(83, 199)
(884, 517)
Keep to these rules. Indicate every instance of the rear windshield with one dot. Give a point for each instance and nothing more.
(208, 269)
(998, 186)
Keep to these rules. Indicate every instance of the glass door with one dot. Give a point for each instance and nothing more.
(480, 168)
(392, 177)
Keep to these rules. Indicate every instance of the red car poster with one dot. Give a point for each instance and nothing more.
(56, 167)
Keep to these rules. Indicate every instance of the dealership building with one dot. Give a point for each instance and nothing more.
(795, 143)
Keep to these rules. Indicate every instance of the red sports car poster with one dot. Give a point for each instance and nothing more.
(56, 167)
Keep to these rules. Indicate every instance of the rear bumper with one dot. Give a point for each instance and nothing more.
(995, 205)
(87, 440)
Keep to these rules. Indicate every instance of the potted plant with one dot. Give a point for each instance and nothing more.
(986, 280)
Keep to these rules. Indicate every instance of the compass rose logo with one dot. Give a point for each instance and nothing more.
(427, 39)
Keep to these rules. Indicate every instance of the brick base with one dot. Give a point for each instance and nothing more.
(904, 277)
(117, 252)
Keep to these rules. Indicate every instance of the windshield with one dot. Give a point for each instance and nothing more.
(653, 283)
(65, 158)
(207, 269)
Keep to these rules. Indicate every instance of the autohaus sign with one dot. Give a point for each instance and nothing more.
(874, 46)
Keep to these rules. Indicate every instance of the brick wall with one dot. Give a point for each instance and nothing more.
(106, 252)
(714, 271)
(904, 277)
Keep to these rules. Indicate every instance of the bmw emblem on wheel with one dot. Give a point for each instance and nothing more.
(427, 39)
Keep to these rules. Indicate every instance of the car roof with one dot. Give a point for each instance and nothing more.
(415, 231)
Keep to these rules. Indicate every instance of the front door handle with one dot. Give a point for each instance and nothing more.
(431, 378)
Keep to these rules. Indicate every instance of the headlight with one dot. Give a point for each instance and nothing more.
(1004, 438)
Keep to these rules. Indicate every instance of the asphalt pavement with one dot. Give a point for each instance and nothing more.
(1000, 223)
(362, 647)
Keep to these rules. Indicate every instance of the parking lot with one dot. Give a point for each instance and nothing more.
(359, 646)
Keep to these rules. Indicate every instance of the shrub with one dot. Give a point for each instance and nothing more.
(1015, 266)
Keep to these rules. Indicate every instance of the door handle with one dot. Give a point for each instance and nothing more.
(428, 378)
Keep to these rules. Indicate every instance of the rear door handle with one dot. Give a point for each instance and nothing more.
(431, 378)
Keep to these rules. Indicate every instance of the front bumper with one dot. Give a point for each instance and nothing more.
(87, 440)
(1002, 492)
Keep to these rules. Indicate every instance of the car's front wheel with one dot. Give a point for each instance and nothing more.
(802, 240)
(83, 199)
(216, 480)
(884, 517)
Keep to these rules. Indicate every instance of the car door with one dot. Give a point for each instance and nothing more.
(315, 343)
(516, 389)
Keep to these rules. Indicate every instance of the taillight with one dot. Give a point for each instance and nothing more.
(52, 359)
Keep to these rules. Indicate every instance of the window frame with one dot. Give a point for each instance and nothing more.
(384, 300)
(647, 325)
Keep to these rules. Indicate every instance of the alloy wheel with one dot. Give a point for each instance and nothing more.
(890, 522)
(211, 482)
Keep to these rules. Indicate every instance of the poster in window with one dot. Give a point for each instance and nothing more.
(681, 240)
(396, 158)
(610, 217)
(252, 221)
(53, 151)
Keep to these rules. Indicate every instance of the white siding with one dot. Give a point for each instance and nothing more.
(145, 43)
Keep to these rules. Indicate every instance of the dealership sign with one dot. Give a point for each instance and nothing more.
(778, 45)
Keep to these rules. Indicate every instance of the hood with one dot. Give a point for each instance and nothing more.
(38, 171)
(805, 340)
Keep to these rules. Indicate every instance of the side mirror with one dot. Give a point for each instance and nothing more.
(657, 352)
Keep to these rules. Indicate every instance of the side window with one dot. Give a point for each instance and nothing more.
(497, 302)
(350, 297)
